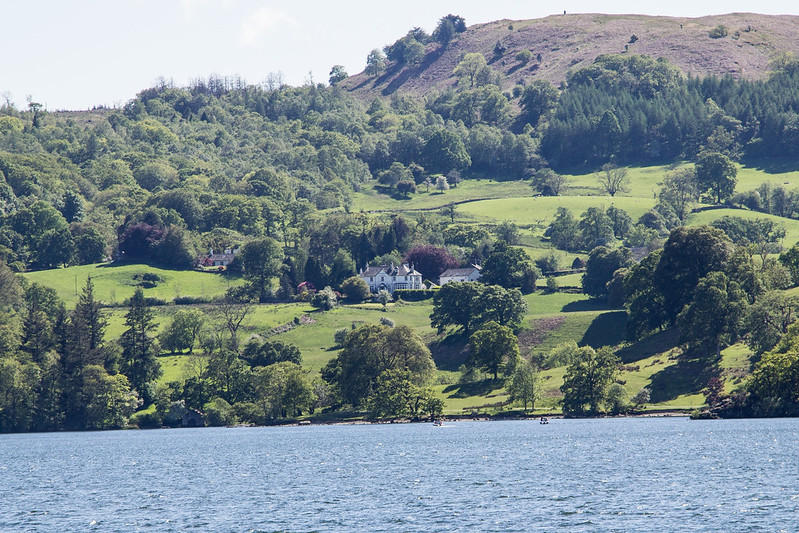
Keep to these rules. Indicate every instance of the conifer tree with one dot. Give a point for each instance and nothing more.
(139, 347)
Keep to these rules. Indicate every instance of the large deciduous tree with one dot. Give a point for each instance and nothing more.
(716, 173)
(689, 255)
(430, 261)
(261, 259)
(587, 379)
(602, 263)
(493, 348)
(371, 350)
(712, 318)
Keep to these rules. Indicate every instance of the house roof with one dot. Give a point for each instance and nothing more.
(457, 272)
(389, 270)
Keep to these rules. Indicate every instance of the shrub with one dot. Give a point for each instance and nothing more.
(340, 336)
(414, 295)
(219, 413)
(718, 32)
(552, 284)
(190, 300)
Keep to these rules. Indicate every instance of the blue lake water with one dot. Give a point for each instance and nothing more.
(570, 475)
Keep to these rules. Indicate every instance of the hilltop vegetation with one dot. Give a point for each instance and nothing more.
(582, 203)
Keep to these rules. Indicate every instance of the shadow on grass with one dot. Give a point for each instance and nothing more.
(478, 388)
(772, 166)
(608, 329)
(652, 345)
(450, 352)
(591, 304)
(688, 376)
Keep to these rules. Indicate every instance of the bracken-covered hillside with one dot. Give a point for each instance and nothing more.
(569, 42)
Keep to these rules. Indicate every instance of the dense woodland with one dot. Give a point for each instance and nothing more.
(271, 169)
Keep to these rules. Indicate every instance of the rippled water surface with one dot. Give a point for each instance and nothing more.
(570, 475)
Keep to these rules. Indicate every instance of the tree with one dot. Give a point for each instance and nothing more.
(602, 263)
(355, 289)
(54, 248)
(139, 348)
(228, 376)
(469, 70)
(689, 255)
(538, 100)
(394, 174)
(270, 352)
(509, 266)
(343, 267)
(587, 379)
(442, 184)
(525, 385)
(430, 261)
(261, 259)
(182, 332)
(596, 228)
(470, 304)
(337, 74)
(447, 28)
(504, 306)
(621, 221)
(42, 309)
(406, 188)
(790, 260)
(90, 246)
(375, 63)
(108, 400)
(444, 151)
(524, 56)
(72, 207)
(369, 351)
(645, 301)
(548, 182)
(493, 348)
(716, 173)
(679, 190)
(563, 231)
(324, 299)
(507, 232)
(713, 316)
(413, 53)
(173, 249)
(233, 311)
(613, 179)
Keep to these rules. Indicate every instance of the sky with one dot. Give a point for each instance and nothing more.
(78, 54)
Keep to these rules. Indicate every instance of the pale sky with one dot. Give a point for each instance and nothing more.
(75, 54)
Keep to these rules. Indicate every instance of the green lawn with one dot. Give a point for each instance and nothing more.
(371, 199)
(115, 283)
(706, 217)
(539, 211)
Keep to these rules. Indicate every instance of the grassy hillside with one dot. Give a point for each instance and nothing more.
(571, 41)
(114, 283)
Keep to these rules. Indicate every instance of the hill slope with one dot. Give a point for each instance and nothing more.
(568, 42)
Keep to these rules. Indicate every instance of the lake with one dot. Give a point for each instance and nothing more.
(638, 474)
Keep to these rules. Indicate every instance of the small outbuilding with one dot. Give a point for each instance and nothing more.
(471, 273)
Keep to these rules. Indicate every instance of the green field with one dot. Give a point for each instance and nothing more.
(540, 210)
(115, 283)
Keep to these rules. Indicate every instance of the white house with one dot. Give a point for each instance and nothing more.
(218, 260)
(391, 278)
(471, 273)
